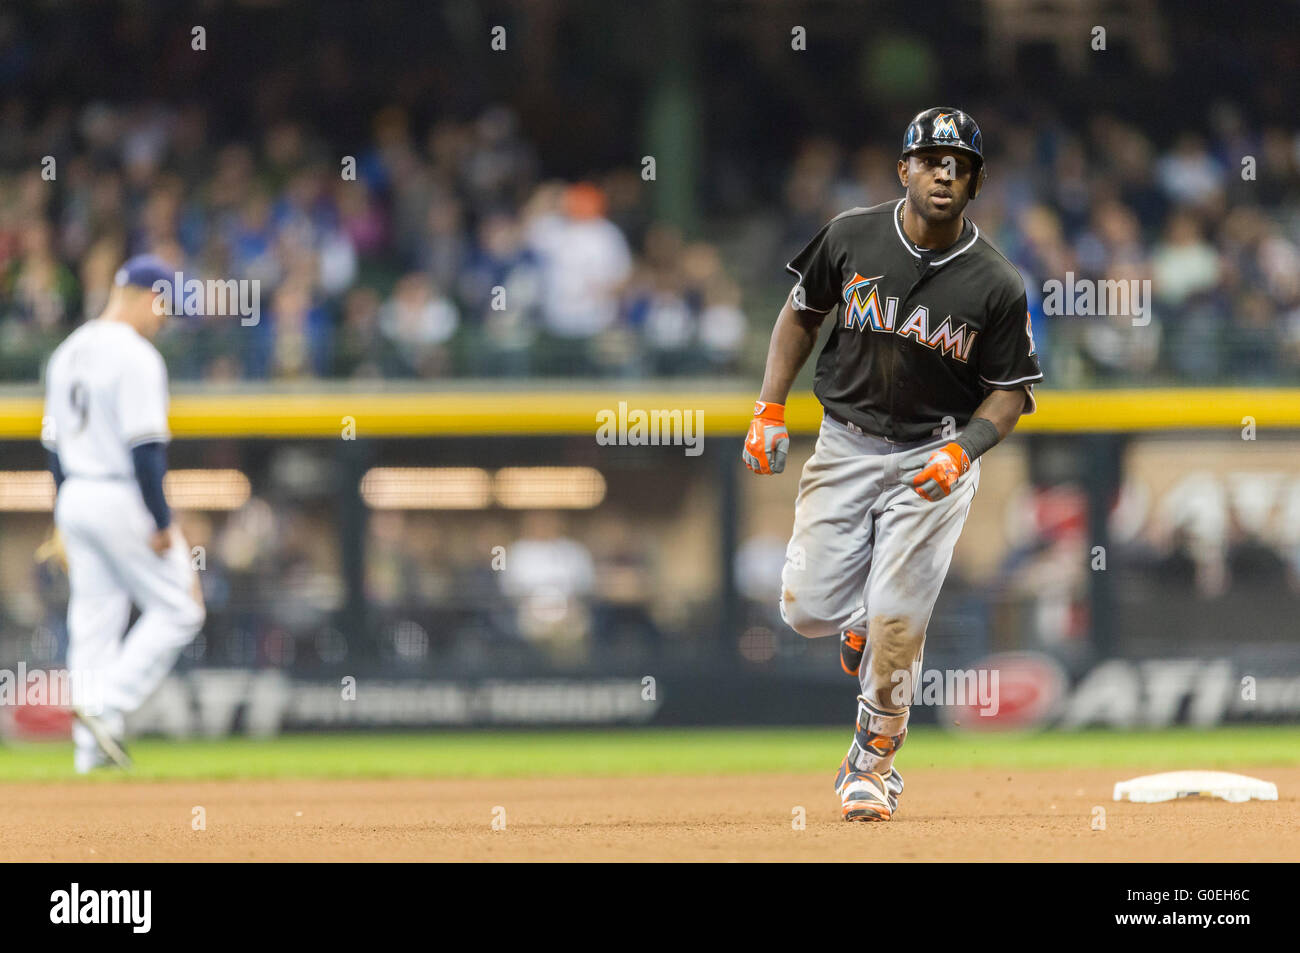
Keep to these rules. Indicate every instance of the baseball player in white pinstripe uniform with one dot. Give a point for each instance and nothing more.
(105, 428)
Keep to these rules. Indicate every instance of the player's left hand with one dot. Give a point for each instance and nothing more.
(934, 478)
(160, 541)
(52, 551)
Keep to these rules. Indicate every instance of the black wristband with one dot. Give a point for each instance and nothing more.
(979, 435)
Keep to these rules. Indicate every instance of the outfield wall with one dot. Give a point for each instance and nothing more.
(504, 575)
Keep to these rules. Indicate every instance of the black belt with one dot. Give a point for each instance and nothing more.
(904, 444)
(848, 423)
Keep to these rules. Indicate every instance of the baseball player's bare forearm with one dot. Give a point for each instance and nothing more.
(1002, 408)
(793, 339)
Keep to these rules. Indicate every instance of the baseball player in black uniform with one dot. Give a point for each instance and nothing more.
(929, 364)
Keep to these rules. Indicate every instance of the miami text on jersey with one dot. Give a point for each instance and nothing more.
(863, 310)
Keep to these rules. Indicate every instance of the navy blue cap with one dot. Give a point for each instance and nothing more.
(144, 271)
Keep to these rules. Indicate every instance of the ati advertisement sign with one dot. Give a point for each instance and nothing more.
(1033, 692)
(1007, 692)
(220, 702)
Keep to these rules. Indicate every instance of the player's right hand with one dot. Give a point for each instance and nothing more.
(767, 442)
(161, 540)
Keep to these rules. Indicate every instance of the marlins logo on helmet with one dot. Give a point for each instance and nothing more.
(945, 127)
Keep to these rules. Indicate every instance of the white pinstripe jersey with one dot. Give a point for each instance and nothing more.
(105, 393)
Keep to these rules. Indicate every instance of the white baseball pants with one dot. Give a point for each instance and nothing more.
(106, 528)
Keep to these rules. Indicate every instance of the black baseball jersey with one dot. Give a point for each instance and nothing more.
(921, 334)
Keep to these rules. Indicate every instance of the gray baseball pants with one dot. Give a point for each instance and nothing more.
(869, 555)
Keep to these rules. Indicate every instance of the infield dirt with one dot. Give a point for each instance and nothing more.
(944, 815)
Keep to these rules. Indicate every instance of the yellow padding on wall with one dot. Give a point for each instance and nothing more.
(503, 412)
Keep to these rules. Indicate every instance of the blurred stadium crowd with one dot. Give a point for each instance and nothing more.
(451, 256)
(448, 217)
(575, 588)
(444, 255)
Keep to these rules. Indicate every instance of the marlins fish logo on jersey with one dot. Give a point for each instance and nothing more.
(865, 309)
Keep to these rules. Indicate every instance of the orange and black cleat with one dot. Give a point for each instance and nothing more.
(864, 796)
(852, 646)
(867, 796)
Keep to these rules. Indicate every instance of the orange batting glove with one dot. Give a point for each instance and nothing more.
(767, 442)
(935, 478)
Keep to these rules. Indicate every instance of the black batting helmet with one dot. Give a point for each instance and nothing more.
(946, 127)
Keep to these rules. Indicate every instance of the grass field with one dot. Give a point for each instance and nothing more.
(620, 753)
